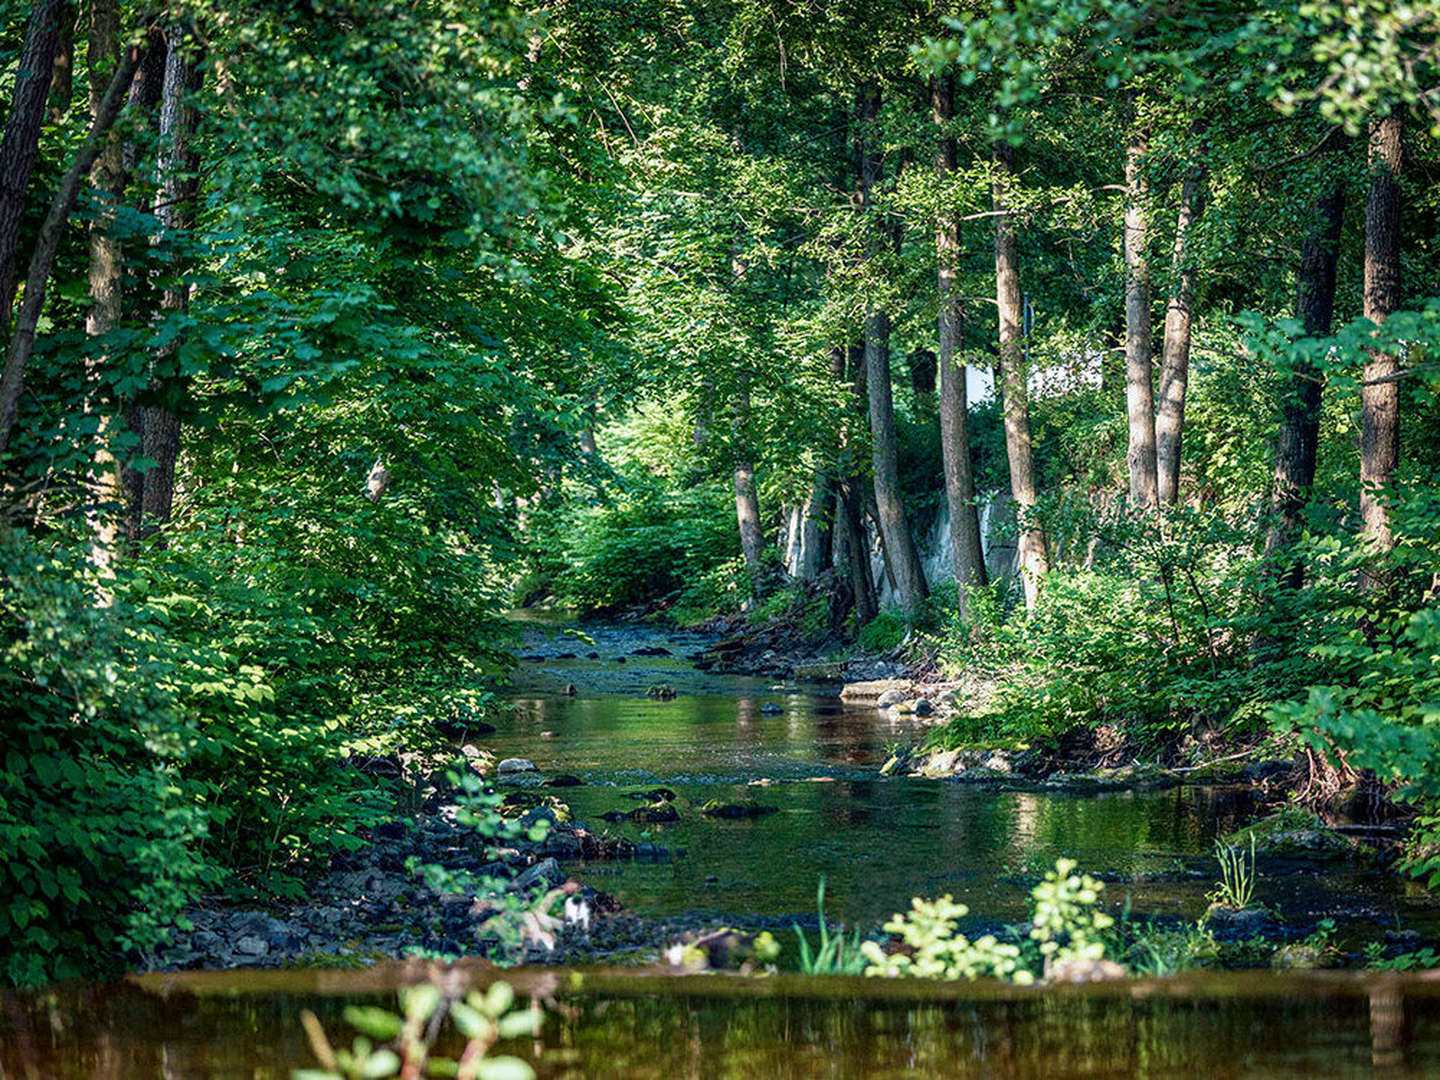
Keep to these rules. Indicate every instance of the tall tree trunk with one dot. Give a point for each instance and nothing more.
(966, 551)
(22, 137)
(105, 497)
(1380, 393)
(1034, 558)
(1175, 355)
(852, 548)
(22, 340)
(1299, 436)
(146, 90)
(747, 503)
(176, 209)
(816, 526)
(1139, 388)
(901, 556)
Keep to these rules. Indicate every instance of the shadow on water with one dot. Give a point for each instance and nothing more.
(636, 1025)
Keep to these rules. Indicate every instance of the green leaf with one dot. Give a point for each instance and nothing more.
(504, 1068)
(373, 1021)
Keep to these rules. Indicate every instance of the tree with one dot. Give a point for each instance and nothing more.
(1175, 355)
(1139, 374)
(1299, 435)
(901, 556)
(22, 135)
(1380, 391)
(1033, 555)
(965, 545)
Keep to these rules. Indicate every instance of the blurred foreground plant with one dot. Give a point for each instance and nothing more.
(390, 1044)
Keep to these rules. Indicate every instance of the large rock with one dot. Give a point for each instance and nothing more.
(875, 691)
(546, 872)
(516, 765)
(1239, 924)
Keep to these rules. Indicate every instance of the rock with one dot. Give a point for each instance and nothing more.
(564, 656)
(470, 750)
(999, 763)
(746, 809)
(650, 650)
(923, 707)
(1238, 924)
(770, 709)
(661, 692)
(549, 735)
(252, 946)
(875, 689)
(563, 780)
(570, 690)
(620, 659)
(894, 698)
(978, 774)
(547, 814)
(1297, 956)
(657, 814)
(656, 794)
(615, 816)
(516, 765)
(388, 830)
(546, 872)
(821, 672)
(592, 656)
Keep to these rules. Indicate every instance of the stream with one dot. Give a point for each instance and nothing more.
(797, 748)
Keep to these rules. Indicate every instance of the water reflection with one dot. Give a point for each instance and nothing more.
(642, 1026)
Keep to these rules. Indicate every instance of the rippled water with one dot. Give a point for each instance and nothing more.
(878, 841)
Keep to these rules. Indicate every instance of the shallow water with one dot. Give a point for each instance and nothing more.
(877, 841)
(232, 1025)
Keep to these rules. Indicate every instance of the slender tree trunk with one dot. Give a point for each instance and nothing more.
(146, 90)
(62, 74)
(1380, 400)
(176, 209)
(1299, 436)
(22, 137)
(1034, 558)
(1139, 388)
(105, 497)
(966, 551)
(22, 340)
(901, 556)
(851, 544)
(1175, 355)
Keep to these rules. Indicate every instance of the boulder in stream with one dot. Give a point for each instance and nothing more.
(516, 765)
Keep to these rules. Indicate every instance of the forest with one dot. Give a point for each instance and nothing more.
(1078, 355)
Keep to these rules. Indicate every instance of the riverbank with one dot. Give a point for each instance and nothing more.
(665, 813)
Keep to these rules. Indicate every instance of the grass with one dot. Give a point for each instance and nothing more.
(835, 955)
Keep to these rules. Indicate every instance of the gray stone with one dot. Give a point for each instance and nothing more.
(516, 765)
(1239, 924)
(250, 945)
(923, 707)
(547, 872)
(770, 709)
(889, 698)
